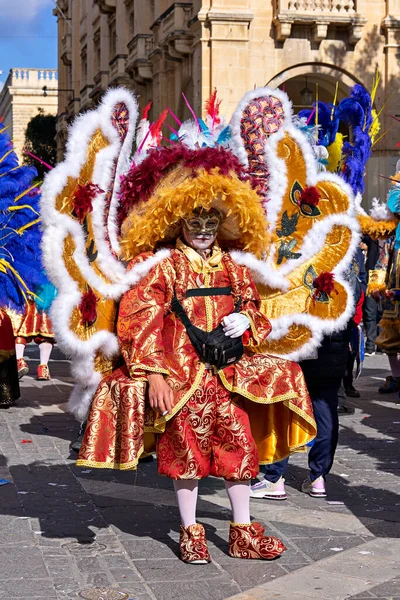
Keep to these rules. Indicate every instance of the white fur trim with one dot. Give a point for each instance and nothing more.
(80, 400)
(380, 211)
(81, 132)
(319, 327)
(113, 279)
(276, 276)
(82, 352)
(261, 271)
(69, 297)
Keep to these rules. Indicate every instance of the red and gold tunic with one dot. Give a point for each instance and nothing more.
(153, 339)
(32, 324)
(9, 385)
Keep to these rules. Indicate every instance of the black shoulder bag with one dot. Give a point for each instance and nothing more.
(213, 347)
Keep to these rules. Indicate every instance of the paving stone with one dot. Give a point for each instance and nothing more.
(27, 558)
(66, 585)
(136, 591)
(133, 520)
(297, 531)
(245, 575)
(125, 575)
(27, 587)
(317, 548)
(98, 579)
(15, 530)
(388, 589)
(88, 564)
(173, 570)
(142, 549)
(219, 589)
(115, 561)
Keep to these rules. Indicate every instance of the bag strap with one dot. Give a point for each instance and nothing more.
(181, 313)
(218, 291)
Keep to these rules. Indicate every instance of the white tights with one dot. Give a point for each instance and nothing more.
(238, 494)
(19, 350)
(44, 349)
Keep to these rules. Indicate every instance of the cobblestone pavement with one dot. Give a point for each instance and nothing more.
(64, 530)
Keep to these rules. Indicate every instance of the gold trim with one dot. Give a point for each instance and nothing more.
(233, 389)
(304, 415)
(159, 424)
(252, 327)
(142, 367)
(130, 466)
(37, 334)
(208, 303)
(6, 354)
(199, 264)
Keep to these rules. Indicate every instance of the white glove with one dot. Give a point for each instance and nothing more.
(235, 325)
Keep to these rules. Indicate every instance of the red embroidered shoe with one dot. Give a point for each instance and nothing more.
(249, 541)
(43, 373)
(23, 368)
(193, 545)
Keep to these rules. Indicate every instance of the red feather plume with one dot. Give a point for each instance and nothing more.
(83, 199)
(146, 110)
(155, 129)
(212, 108)
(324, 283)
(88, 307)
(310, 195)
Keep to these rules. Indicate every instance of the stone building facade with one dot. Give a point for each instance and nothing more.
(21, 98)
(160, 48)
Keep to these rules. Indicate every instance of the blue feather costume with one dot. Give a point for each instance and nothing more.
(21, 270)
(356, 112)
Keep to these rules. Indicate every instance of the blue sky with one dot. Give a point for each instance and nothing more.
(28, 35)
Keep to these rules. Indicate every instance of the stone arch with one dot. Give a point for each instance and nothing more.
(326, 75)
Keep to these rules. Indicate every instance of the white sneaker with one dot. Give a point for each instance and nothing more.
(315, 489)
(268, 490)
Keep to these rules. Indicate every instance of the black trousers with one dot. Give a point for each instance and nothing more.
(370, 314)
(320, 458)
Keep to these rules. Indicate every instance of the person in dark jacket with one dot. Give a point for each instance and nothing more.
(323, 375)
(370, 307)
(358, 280)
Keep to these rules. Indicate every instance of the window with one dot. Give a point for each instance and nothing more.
(97, 51)
(84, 65)
(112, 32)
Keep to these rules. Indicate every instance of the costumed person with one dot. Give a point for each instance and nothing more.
(370, 308)
(198, 222)
(358, 275)
(385, 286)
(20, 269)
(35, 325)
(333, 361)
(324, 374)
(9, 384)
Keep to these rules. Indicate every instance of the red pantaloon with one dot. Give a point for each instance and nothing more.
(211, 435)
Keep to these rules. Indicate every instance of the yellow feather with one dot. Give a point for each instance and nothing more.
(159, 217)
(377, 230)
(375, 126)
(335, 153)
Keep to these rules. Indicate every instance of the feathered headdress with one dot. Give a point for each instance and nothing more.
(289, 223)
(348, 158)
(20, 259)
